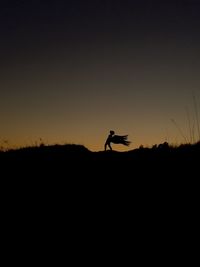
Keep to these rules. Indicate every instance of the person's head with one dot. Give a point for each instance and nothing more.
(112, 132)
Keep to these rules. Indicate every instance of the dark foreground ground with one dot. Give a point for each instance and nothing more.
(160, 172)
(69, 161)
(139, 200)
(72, 163)
(63, 170)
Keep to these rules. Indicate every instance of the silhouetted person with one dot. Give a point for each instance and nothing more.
(116, 139)
(109, 140)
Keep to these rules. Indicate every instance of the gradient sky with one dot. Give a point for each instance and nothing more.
(73, 70)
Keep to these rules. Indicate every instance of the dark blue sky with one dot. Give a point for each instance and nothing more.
(73, 70)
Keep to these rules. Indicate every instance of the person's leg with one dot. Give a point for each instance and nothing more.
(105, 146)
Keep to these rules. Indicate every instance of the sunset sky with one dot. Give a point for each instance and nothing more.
(73, 70)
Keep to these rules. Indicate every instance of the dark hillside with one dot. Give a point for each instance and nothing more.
(146, 190)
(71, 160)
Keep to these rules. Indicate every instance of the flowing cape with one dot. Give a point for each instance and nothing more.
(120, 139)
